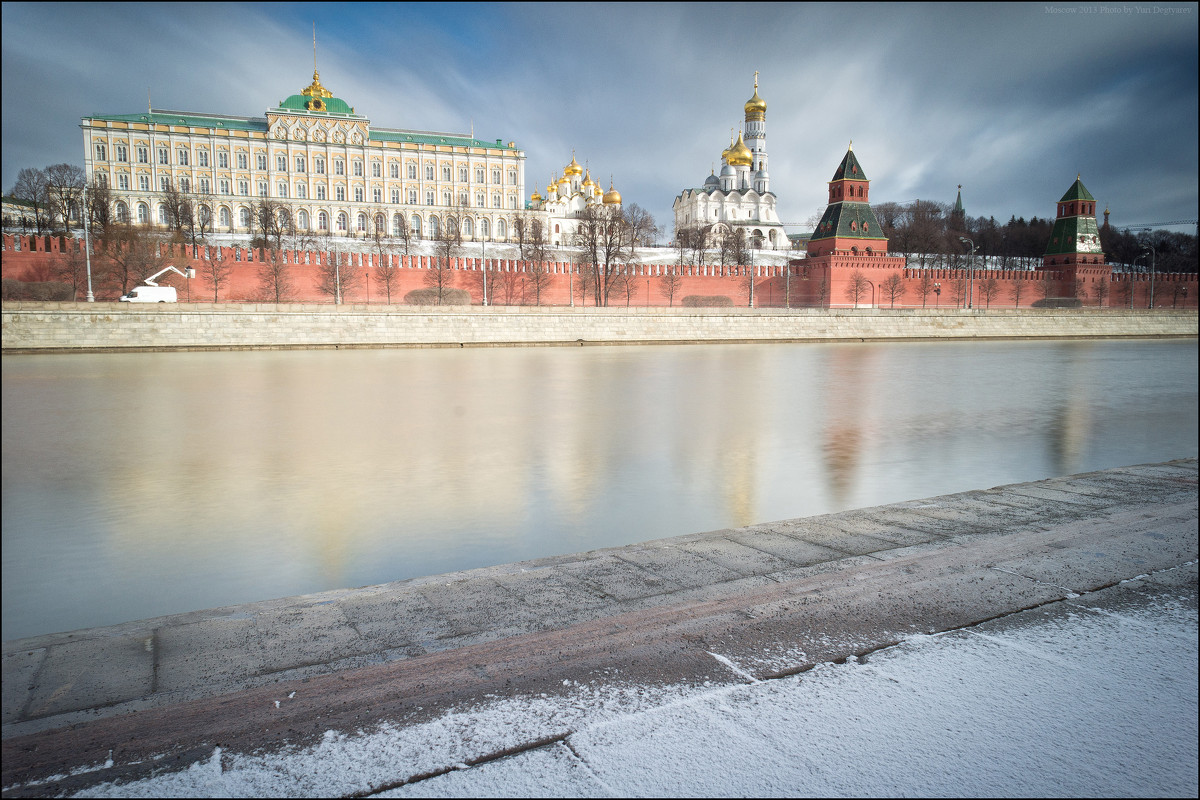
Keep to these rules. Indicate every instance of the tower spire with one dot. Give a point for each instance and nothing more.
(314, 47)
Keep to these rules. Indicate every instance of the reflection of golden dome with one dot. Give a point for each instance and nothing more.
(573, 168)
(739, 154)
(756, 105)
(612, 196)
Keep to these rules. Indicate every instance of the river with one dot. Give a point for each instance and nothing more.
(136, 485)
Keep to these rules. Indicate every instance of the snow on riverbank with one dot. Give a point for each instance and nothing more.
(1069, 701)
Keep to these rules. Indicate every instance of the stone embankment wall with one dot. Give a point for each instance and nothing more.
(47, 327)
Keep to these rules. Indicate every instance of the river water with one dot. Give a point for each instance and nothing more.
(145, 484)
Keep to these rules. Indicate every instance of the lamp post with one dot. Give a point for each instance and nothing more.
(87, 246)
(1150, 248)
(647, 292)
(1132, 284)
(367, 279)
(970, 271)
(937, 295)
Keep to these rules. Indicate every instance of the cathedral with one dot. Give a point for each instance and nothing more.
(565, 201)
(740, 197)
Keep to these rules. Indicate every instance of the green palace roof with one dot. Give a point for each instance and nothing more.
(849, 169)
(1077, 192)
(189, 119)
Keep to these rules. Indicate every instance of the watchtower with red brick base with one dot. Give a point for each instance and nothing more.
(1074, 249)
(848, 248)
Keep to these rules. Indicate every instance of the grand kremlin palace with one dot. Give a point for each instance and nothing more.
(314, 156)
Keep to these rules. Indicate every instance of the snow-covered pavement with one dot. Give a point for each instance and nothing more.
(1092, 696)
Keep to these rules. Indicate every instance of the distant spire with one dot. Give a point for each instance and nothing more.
(314, 46)
(149, 107)
(850, 149)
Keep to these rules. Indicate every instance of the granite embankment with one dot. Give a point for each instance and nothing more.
(76, 327)
(777, 599)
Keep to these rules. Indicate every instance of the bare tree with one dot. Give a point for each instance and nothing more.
(958, 289)
(1178, 290)
(1100, 290)
(132, 254)
(178, 206)
(214, 269)
(723, 238)
(669, 284)
(1015, 290)
(32, 189)
(925, 287)
(697, 237)
(100, 209)
(386, 273)
(893, 288)
(857, 287)
(746, 279)
(70, 267)
(64, 188)
(741, 247)
(337, 277)
(274, 277)
(989, 289)
(642, 228)
(537, 273)
(602, 235)
(447, 244)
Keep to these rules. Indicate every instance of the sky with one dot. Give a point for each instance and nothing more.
(1011, 101)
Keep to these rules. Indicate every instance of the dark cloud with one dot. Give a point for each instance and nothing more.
(1011, 101)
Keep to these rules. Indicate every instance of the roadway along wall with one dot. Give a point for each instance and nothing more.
(74, 327)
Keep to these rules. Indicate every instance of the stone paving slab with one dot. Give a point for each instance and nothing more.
(919, 565)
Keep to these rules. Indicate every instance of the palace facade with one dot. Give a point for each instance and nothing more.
(315, 158)
(740, 198)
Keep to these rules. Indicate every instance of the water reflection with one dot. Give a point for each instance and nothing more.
(155, 483)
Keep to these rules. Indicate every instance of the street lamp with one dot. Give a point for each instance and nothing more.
(1131, 282)
(1150, 248)
(367, 277)
(937, 292)
(87, 246)
(970, 271)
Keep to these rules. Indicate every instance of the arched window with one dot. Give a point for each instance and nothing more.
(398, 225)
(162, 215)
(361, 222)
(380, 223)
(468, 227)
(302, 219)
(226, 219)
(484, 228)
(122, 212)
(501, 229)
(445, 173)
(244, 217)
(342, 221)
(416, 226)
(433, 227)
(322, 221)
(205, 215)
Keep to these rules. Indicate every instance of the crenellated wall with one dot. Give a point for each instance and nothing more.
(817, 282)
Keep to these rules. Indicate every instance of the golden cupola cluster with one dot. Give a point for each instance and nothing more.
(575, 186)
(738, 155)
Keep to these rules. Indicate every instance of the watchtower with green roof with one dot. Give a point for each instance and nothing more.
(1075, 238)
(849, 226)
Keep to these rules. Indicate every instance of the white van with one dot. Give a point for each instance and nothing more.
(150, 294)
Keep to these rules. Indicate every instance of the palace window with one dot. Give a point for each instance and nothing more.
(122, 153)
(244, 217)
(281, 190)
(495, 176)
(429, 173)
(468, 229)
(412, 197)
(412, 172)
(143, 213)
(479, 174)
(300, 164)
(320, 191)
(445, 198)
(394, 169)
(164, 183)
(339, 167)
(501, 228)
(281, 162)
(479, 200)
(262, 188)
(416, 226)
(162, 215)
(323, 221)
(143, 155)
(445, 173)
(225, 221)
(242, 161)
(429, 198)
(224, 187)
(483, 228)
(144, 183)
(358, 173)
(202, 158)
(462, 199)
(376, 169)
(122, 181)
(261, 161)
(244, 188)
(395, 195)
(185, 185)
(377, 195)
(204, 186)
(342, 221)
(398, 225)
(462, 174)
(302, 219)
(223, 160)
(101, 152)
(358, 194)
(361, 223)
(302, 191)
(122, 213)
(495, 201)
(512, 176)
(512, 201)
(163, 156)
(319, 165)
(339, 193)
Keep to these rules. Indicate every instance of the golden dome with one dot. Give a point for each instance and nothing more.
(756, 105)
(535, 197)
(739, 154)
(573, 168)
(612, 196)
(587, 179)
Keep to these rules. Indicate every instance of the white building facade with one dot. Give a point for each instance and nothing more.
(566, 199)
(740, 197)
(317, 159)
